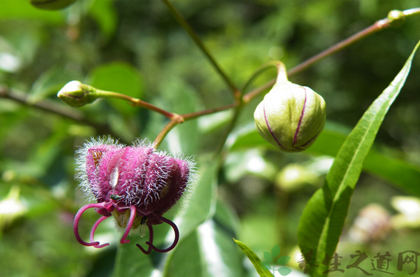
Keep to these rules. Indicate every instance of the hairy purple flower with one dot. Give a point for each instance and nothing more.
(135, 184)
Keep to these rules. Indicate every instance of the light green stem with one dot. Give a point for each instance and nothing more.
(134, 102)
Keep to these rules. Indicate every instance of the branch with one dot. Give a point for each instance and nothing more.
(377, 26)
(54, 108)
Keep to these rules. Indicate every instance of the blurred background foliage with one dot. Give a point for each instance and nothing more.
(137, 48)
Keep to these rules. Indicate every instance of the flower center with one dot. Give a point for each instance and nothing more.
(123, 217)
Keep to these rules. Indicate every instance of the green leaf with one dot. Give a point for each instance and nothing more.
(220, 254)
(186, 259)
(227, 217)
(201, 203)
(181, 98)
(208, 251)
(22, 9)
(104, 12)
(213, 253)
(266, 265)
(118, 77)
(10, 53)
(275, 251)
(323, 218)
(402, 174)
(263, 272)
(50, 82)
(130, 261)
(283, 260)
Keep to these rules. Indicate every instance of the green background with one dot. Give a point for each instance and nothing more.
(137, 48)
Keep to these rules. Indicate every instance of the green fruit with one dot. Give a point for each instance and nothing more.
(51, 4)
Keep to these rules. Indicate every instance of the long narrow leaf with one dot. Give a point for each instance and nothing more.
(323, 218)
(208, 250)
(401, 174)
(200, 207)
(263, 272)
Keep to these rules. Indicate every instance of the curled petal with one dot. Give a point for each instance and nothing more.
(76, 223)
(92, 232)
(150, 242)
(129, 225)
(176, 231)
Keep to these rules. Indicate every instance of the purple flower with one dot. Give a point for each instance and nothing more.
(135, 184)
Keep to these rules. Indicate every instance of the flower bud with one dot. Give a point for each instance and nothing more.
(76, 94)
(51, 4)
(290, 116)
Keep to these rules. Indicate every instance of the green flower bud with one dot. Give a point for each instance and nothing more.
(290, 116)
(76, 94)
(51, 4)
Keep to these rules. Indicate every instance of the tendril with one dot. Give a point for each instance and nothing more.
(76, 223)
(150, 242)
(129, 225)
(92, 232)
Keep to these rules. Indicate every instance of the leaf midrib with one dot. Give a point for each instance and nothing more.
(324, 228)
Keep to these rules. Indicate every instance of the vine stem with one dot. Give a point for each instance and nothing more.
(377, 26)
(134, 102)
(178, 119)
(181, 20)
(241, 98)
(54, 108)
(411, 12)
